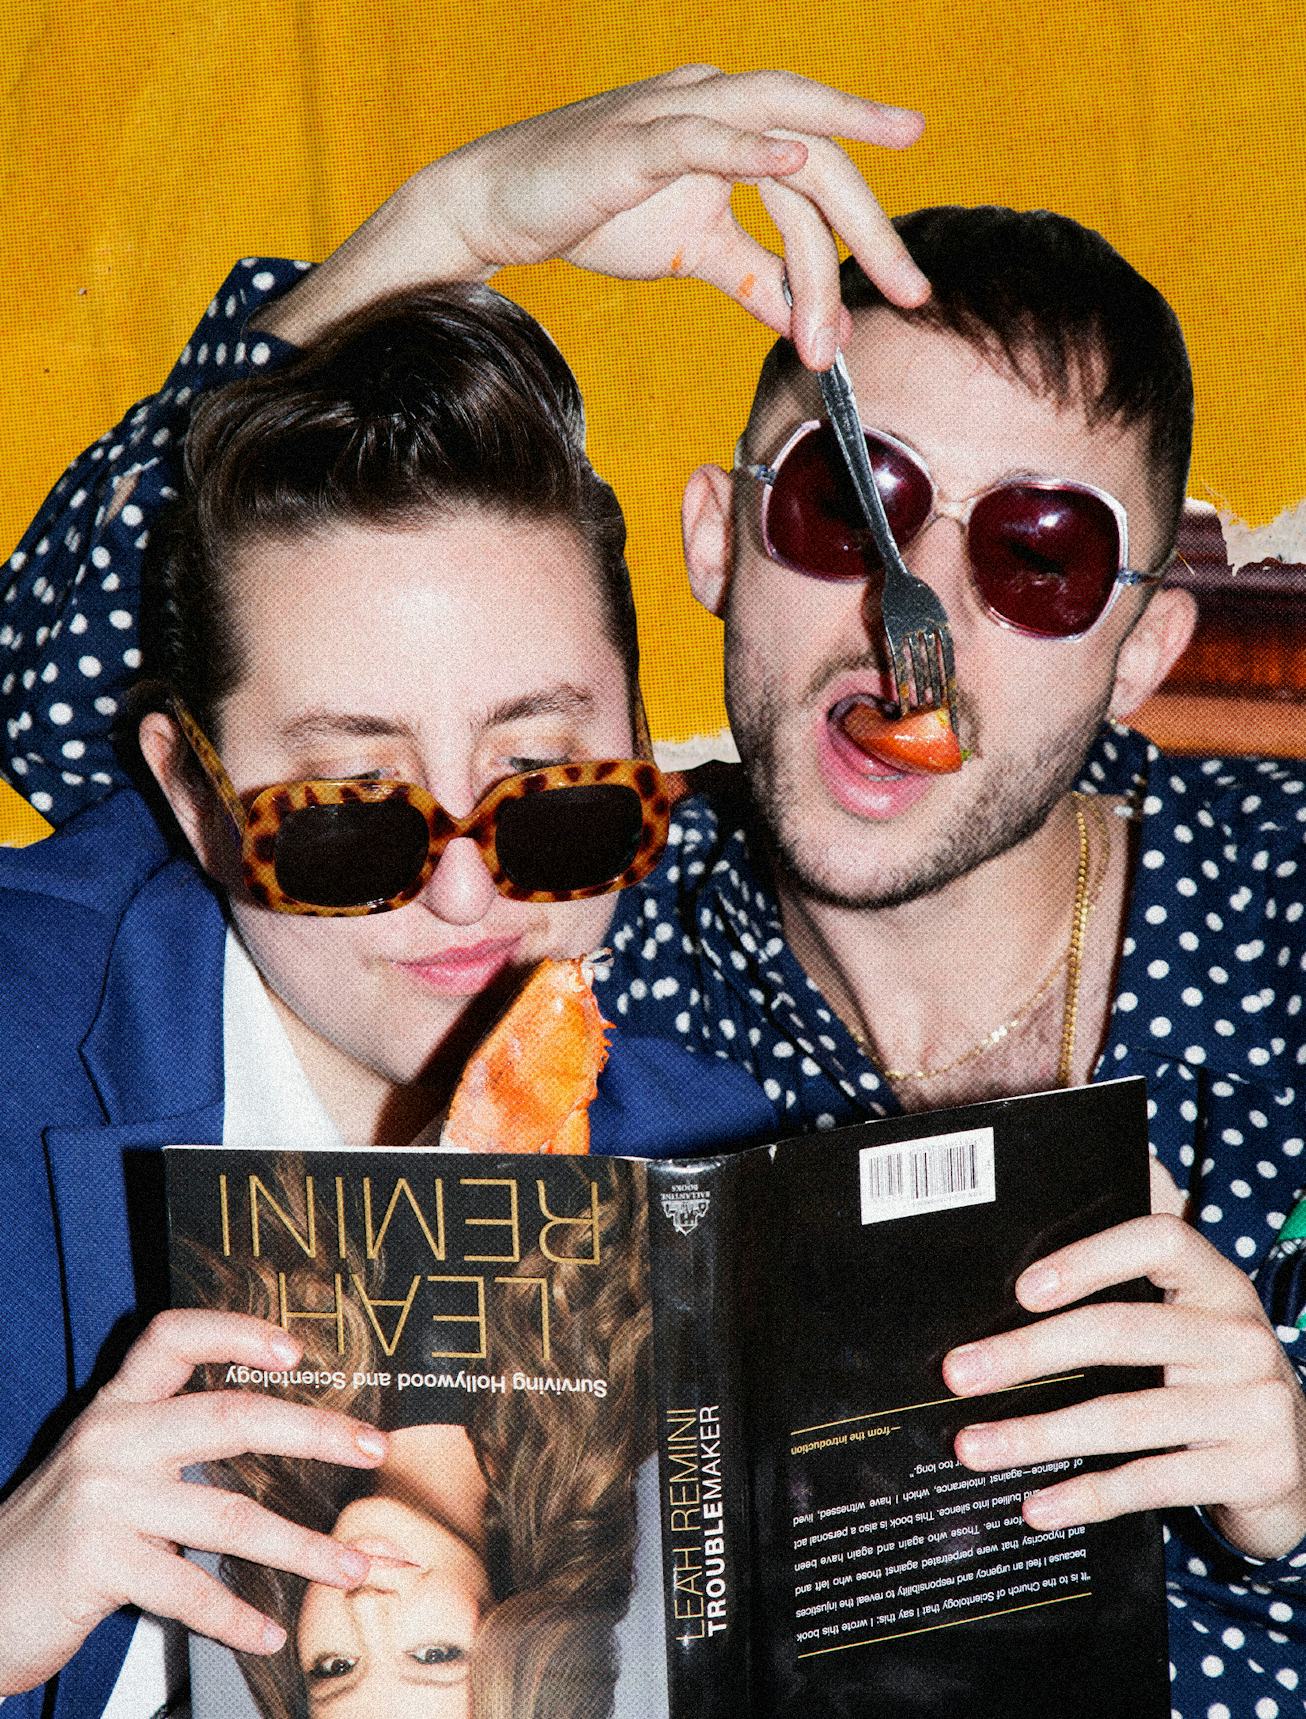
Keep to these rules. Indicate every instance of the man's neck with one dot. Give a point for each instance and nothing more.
(962, 992)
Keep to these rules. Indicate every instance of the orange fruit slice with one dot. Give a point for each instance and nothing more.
(530, 1084)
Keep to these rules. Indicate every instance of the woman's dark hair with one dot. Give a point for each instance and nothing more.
(1057, 306)
(424, 402)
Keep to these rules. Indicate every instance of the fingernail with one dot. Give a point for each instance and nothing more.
(967, 1367)
(371, 1442)
(981, 1444)
(1043, 1512)
(824, 346)
(285, 1348)
(354, 1565)
(1039, 1283)
(273, 1637)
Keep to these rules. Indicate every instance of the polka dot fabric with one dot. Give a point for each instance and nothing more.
(1208, 1008)
(70, 592)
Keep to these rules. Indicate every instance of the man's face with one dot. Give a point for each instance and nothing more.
(846, 828)
(451, 654)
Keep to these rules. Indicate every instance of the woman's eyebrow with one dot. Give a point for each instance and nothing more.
(311, 724)
(561, 700)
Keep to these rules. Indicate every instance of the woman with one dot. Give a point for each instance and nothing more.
(394, 624)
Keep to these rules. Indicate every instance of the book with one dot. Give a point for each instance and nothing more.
(670, 1437)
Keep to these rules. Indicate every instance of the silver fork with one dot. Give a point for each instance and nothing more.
(915, 621)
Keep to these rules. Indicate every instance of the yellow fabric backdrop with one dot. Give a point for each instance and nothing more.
(148, 143)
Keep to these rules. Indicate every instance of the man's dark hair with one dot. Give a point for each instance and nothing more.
(1056, 305)
(424, 402)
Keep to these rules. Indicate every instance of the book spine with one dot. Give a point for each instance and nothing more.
(694, 1245)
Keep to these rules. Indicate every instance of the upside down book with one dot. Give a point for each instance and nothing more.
(670, 1438)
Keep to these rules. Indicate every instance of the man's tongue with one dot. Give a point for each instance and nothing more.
(924, 742)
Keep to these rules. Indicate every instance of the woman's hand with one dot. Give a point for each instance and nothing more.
(1229, 1420)
(636, 183)
(99, 1523)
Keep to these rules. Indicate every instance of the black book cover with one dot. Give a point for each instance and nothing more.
(894, 1580)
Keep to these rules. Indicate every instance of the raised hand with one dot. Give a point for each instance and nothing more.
(636, 183)
(1230, 1418)
(99, 1523)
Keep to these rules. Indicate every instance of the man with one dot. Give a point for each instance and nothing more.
(985, 933)
(865, 939)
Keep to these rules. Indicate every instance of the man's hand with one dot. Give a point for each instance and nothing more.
(1230, 1417)
(98, 1525)
(636, 183)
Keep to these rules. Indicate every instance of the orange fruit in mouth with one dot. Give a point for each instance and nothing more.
(925, 742)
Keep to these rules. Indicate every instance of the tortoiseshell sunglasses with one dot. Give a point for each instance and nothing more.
(360, 845)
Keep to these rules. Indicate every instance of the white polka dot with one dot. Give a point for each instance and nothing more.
(1212, 1666)
(61, 713)
(120, 618)
(1126, 1002)
(1159, 1026)
(1281, 1611)
(1155, 914)
(260, 352)
(1157, 969)
(41, 800)
(1267, 1708)
(106, 706)
(132, 658)
(73, 748)
(90, 666)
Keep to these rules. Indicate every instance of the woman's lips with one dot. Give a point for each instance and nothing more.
(465, 970)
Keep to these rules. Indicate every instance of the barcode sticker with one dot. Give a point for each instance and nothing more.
(927, 1175)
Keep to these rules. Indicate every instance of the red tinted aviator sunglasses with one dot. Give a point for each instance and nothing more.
(364, 845)
(1047, 555)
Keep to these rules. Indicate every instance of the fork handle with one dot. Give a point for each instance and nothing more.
(836, 392)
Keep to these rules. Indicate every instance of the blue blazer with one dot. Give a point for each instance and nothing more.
(111, 960)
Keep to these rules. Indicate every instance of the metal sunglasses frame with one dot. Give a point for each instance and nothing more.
(960, 511)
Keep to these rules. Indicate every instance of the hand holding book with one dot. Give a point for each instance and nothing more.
(98, 1524)
(1229, 1421)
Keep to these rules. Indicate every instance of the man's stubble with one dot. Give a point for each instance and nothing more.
(1016, 799)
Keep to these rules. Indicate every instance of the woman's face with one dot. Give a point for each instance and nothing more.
(451, 654)
(402, 1642)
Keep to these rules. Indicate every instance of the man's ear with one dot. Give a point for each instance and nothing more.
(707, 521)
(195, 807)
(1152, 647)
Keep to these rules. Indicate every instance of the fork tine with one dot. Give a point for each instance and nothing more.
(920, 670)
(902, 668)
(933, 649)
(949, 675)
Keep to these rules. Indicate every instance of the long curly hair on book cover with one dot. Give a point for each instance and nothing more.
(557, 1532)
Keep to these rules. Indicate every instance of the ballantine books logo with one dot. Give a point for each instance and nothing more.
(686, 1206)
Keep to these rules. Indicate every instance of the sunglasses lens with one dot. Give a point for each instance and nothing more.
(350, 855)
(566, 839)
(1044, 559)
(813, 520)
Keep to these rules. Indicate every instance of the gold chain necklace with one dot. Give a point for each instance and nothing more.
(1072, 961)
